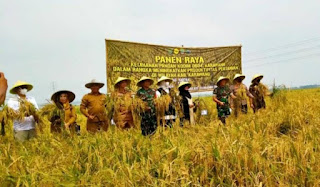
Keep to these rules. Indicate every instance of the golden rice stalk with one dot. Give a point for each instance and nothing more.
(162, 105)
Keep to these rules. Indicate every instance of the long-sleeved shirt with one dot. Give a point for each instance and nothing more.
(29, 122)
(238, 91)
(94, 105)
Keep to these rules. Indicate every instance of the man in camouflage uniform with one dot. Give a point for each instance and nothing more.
(148, 117)
(221, 96)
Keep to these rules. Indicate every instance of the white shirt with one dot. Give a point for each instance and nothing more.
(28, 123)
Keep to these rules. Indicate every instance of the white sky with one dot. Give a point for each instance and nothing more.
(62, 41)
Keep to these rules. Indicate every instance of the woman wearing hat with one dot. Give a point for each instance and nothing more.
(64, 116)
(93, 106)
(122, 97)
(259, 91)
(241, 93)
(164, 90)
(148, 117)
(188, 106)
(24, 129)
(221, 96)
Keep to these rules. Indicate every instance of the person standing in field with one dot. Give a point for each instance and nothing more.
(163, 91)
(242, 94)
(122, 98)
(259, 91)
(93, 106)
(147, 95)
(187, 104)
(64, 115)
(25, 107)
(221, 95)
(3, 88)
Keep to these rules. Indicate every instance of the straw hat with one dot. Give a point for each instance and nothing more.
(94, 82)
(143, 79)
(56, 96)
(222, 78)
(257, 76)
(13, 90)
(120, 79)
(184, 84)
(164, 78)
(239, 76)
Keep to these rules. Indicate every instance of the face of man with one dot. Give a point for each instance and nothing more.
(123, 84)
(223, 83)
(146, 83)
(95, 88)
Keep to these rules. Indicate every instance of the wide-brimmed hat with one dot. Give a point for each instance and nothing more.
(56, 96)
(257, 76)
(13, 90)
(143, 79)
(239, 76)
(222, 78)
(184, 84)
(94, 82)
(164, 78)
(120, 79)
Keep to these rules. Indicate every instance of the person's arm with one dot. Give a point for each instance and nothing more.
(83, 106)
(250, 96)
(3, 88)
(158, 94)
(72, 119)
(215, 99)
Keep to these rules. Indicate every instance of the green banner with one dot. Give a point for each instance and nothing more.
(201, 66)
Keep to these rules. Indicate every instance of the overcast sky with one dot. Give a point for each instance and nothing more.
(62, 41)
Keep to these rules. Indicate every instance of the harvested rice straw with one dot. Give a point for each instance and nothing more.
(162, 105)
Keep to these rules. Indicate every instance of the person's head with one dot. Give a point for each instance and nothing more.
(122, 84)
(146, 83)
(237, 80)
(64, 98)
(257, 78)
(22, 90)
(95, 88)
(223, 82)
(187, 87)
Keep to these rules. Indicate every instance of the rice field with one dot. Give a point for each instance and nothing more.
(279, 146)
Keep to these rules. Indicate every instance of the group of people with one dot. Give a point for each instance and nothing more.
(235, 97)
(229, 97)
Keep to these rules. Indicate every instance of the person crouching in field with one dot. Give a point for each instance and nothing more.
(163, 91)
(25, 118)
(122, 98)
(64, 115)
(147, 95)
(187, 104)
(93, 106)
(221, 96)
(241, 93)
(259, 91)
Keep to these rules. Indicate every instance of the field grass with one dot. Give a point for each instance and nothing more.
(279, 146)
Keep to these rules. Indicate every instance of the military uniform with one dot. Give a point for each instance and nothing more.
(149, 119)
(223, 94)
